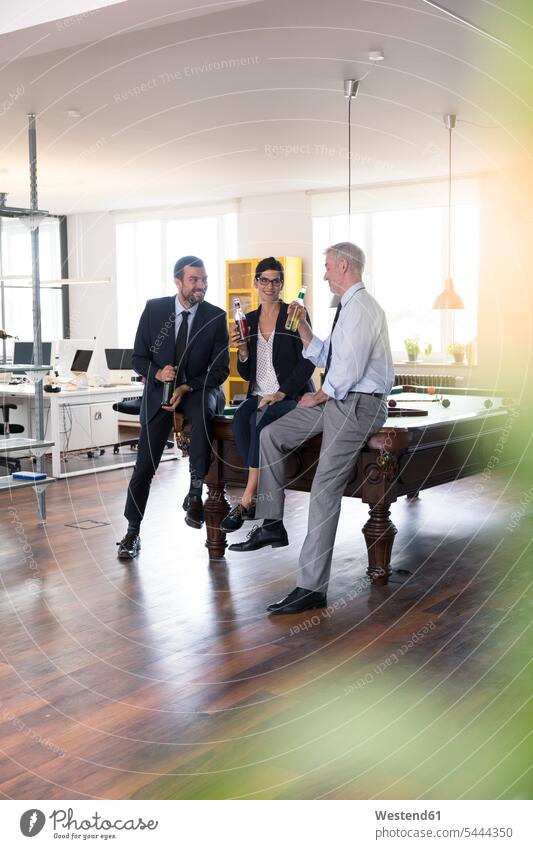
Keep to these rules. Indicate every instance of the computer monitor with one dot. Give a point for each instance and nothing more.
(120, 366)
(65, 351)
(80, 363)
(119, 359)
(23, 353)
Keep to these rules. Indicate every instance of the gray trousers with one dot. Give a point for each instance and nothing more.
(346, 426)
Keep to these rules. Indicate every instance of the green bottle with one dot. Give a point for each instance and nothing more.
(293, 319)
(168, 391)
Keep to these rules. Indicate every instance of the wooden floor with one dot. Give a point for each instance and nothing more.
(165, 678)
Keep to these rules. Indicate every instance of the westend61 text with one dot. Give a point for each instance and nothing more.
(407, 815)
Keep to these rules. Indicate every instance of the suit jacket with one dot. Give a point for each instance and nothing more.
(292, 370)
(206, 360)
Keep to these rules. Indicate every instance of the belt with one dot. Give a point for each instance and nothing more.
(379, 395)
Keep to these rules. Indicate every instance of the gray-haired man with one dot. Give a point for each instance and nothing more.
(349, 408)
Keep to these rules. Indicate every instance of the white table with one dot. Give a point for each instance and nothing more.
(74, 401)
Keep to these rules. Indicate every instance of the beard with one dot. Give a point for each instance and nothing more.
(195, 297)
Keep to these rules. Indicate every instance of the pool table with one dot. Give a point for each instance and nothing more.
(426, 441)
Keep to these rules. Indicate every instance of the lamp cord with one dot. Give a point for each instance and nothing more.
(349, 162)
(450, 203)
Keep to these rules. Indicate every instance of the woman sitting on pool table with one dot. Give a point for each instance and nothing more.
(271, 360)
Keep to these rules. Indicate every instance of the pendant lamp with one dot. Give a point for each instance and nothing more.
(448, 298)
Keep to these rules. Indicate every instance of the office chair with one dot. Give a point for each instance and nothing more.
(7, 429)
(131, 407)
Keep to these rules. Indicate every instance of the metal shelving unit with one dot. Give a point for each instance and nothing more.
(32, 216)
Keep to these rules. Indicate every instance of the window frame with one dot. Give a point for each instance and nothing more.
(58, 264)
(447, 318)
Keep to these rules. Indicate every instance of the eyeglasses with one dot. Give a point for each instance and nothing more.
(264, 281)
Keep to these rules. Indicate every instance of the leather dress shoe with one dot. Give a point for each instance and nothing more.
(259, 537)
(129, 546)
(297, 601)
(195, 510)
(236, 518)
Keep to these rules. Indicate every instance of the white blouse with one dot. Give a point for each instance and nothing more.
(266, 382)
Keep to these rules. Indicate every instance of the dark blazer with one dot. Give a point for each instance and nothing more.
(207, 358)
(292, 370)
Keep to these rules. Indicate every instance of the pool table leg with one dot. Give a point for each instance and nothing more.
(379, 533)
(216, 506)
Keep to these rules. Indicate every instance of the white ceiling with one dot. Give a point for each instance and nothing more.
(192, 102)
(19, 14)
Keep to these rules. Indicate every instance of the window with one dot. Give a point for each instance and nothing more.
(407, 256)
(146, 253)
(15, 253)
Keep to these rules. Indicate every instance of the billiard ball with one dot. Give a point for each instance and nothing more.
(446, 402)
(392, 402)
(487, 404)
(431, 390)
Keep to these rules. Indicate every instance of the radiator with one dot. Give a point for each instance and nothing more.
(426, 380)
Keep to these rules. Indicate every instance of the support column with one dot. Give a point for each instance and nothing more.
(36, 298)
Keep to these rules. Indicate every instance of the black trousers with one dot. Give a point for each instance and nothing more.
(199, 407)
(248, 423)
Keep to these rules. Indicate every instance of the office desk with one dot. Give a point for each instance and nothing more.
(90, 408)
(425, 446)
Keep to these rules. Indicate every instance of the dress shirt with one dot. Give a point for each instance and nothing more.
(178, 310)
(266, 381)
(361, 359)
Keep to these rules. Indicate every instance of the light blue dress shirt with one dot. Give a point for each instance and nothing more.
(177, 321)
(361, 359)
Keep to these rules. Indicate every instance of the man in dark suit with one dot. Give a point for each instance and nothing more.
(185, 340)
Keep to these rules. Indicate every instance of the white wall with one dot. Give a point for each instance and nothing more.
(277, 225)
(282, 224)
(93, 307)
(506, 283)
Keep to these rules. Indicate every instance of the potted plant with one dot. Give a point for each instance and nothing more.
(428, 349)
(457, 350)
(413, 349)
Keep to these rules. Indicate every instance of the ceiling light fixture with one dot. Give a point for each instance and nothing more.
(376, 56)
(448, 298)
(74, 113)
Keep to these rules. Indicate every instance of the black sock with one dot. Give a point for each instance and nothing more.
(273, 524)
(134, 527)
(196, 485)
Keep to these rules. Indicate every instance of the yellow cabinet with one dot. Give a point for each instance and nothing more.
(240, 284)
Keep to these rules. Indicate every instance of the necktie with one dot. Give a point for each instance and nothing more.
(181, 347)
(328, 360)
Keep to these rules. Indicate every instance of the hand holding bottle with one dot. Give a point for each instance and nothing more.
(177, 397)
(295, 314)
(240, 330)
(296, 311)
(166, 374)
(238, 342)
